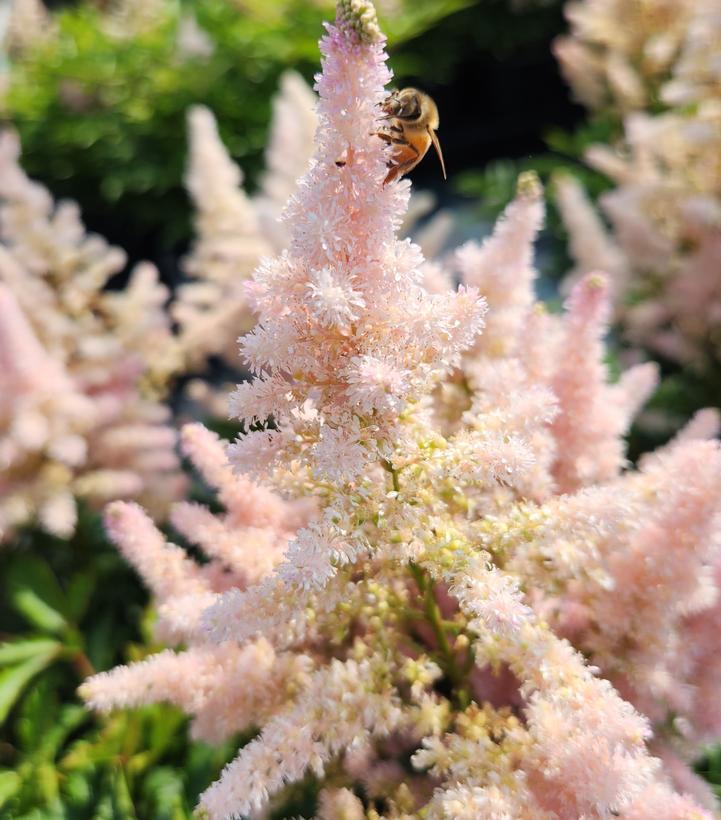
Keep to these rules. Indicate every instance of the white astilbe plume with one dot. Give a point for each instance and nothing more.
(657, 64)
(620, 51)
(74, 417)
(455, 528)
(212, 309)
(290, 148)
(234, 232)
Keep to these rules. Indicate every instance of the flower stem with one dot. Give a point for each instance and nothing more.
(434, 617)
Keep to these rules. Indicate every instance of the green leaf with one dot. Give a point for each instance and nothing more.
(164, 790)
(78, 790)
(38, 710)
(122, 801)
(16, 678)
(35, 593)
(10, 783)
(15, 652)
(71, 717)
(80, 590)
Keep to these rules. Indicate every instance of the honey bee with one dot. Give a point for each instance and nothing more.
(412, 124)
(412, 118)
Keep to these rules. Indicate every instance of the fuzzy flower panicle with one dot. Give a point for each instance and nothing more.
(346, 285)
(426, 534)
(78, 418)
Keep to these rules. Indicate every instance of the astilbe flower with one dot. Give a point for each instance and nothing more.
(225, 688)
(288, 154)
(235, 231)
(291, 146)
(620, 51)
(29, 25)
(433, 556)
(665, 210)
(73, 418)
(211, 310)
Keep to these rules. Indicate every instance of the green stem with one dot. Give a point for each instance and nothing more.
(394, 474)
(435, 619)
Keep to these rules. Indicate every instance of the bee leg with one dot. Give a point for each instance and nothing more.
(394, 173)
(397, 171)
(386, 137)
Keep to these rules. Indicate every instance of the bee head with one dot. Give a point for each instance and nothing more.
(412, 107)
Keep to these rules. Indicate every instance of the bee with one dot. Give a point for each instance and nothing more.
(412, 119)
(412, 124)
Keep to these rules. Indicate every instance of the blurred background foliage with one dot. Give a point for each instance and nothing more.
(100, 99)
(100, 103)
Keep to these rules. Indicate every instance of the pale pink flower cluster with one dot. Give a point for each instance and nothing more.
(225, 688)
(665, 211)
(73, 418)
(211, 310)
(234, 231)
(620, 51)
(28, 24)
(451, 534)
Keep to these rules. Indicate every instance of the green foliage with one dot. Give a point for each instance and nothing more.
(102, 117)
(709, 767)
(491, 27)
(76, 610)
(494, 186)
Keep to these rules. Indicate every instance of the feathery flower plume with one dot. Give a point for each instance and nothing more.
(345, 286)
(619, 52)
(29, 24)
(234, 232)
(74, 422)
(212, 309)
(289, 151)
(439, 565)
(665, 212)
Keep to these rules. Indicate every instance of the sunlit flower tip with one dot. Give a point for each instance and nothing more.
(360, 16)
(529, 186)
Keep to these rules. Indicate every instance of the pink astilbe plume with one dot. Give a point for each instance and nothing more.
(234, 231)
(591, 420)
(290, 148)
(426, 535)
(76, 419)
(619, 52)
(212, 309)
(657, 64)
(225, 688)
(329, 307)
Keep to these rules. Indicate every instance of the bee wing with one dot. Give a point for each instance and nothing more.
(434, 139)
